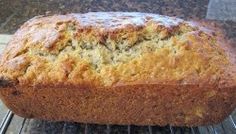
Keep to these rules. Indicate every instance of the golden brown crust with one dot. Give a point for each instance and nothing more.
(138, 104)
(128, 56)
(119, 48)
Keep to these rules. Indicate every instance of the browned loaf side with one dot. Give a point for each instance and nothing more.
(118, 68)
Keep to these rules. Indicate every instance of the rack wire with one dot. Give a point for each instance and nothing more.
(226, 127)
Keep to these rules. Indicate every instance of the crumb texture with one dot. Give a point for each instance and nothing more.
(107, 49)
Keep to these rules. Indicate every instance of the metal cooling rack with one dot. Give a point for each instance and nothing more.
(15, 124)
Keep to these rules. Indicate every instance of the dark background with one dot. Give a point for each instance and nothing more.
(15, 12)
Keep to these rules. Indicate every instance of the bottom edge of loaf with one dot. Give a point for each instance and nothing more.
(141, 105)
(160, 121)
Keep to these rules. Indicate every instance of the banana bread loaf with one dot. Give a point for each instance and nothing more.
(118, 68)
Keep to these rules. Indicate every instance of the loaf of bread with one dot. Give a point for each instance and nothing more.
(119, 68)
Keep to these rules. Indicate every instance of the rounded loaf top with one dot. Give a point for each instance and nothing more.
(114, 48)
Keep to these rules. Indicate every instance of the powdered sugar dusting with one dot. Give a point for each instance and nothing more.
(119, 19)
(45, 36)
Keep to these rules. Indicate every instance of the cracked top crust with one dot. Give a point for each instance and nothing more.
(115, 48)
